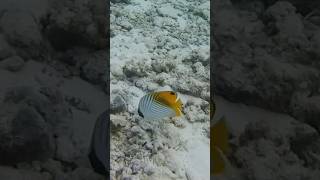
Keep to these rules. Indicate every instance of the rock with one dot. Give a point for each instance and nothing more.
(118, 121)
(49, 101)
(281, 9)
(5, 49)
(14, 63)
(316, 43)
(136, 166)
(118, 105)
(121, 1)
(149, 170)
(136, 131)
(136, 69)
(24, 166)
(287, 22)
(84, 25)
(37, 109)
(21, 30)
(36, 165)
(157, 145)
(254, 131)
(126, 171)
(304, 7)
(15, 174)
(94, 69)
(168, 11)
(24, 136)
(126, 178)
(163, 65)
(227, 23)
(125, 25)
(53, 167)
(195, 114)
(117, 72)
(85, 174)
(36, 115)
(78, 104)
(279, 51)
(66, 150)
(101, 23)
(305, 143)
(305, 108)
(37, 8)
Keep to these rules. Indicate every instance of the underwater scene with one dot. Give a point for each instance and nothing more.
(235, 101)
(159, 89)
(265, 74)
(53, 64)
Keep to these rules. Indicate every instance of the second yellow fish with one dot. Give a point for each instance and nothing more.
(219, 144)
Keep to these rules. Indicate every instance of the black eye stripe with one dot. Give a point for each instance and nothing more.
(172, 93)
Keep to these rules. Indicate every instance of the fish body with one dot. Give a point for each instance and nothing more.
(158, 105)
(219, 144)
(100, 142)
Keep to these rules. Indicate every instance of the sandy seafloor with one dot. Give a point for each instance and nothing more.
(159, 45)
(52, 76)
(266, 77)
(266, 59)
(266, 55)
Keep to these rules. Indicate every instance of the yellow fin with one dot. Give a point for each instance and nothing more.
(219, 146)
(219, 135)
(218, 164)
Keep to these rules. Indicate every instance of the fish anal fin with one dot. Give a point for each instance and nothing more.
(218, 164)
(219, 135)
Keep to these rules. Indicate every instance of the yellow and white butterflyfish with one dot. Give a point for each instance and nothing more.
(161, 104)
(219, 144)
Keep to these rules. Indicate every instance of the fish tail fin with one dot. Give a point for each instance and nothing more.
(219, 144)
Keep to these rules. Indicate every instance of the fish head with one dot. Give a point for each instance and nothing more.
(170, 99)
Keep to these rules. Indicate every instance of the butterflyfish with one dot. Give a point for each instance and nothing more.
(100, 142)
(161, 104)
(219, 144)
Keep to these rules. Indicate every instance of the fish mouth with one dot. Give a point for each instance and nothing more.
(140, 113)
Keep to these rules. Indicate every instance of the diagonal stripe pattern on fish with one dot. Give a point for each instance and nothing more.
(158, 105)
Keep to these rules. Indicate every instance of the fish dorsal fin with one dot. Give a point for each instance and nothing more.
(169, 99)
